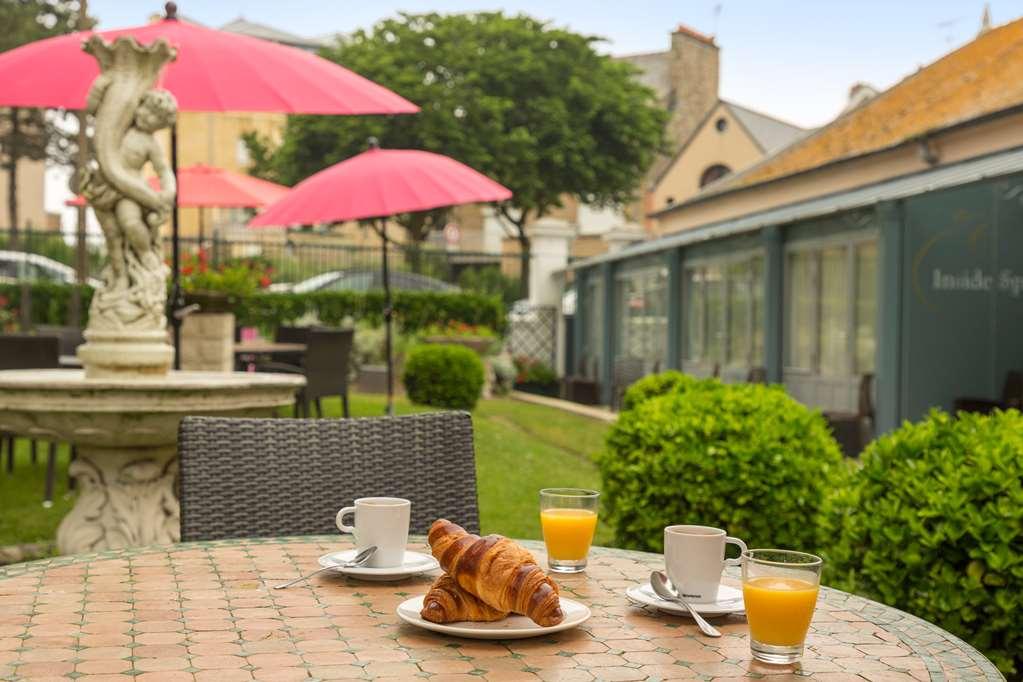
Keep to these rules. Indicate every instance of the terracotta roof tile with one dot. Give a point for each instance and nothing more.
(982, 77)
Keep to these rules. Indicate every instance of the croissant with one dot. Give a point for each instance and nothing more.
(447, 602)
(498, 571)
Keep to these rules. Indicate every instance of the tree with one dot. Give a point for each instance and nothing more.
(533, 106)
(31, 134)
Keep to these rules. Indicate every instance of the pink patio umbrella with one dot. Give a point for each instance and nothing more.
(373, 185)
(201, 186)
(214, 71)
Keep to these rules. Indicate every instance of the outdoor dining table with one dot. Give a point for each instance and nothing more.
(207, 611)
(263, 347)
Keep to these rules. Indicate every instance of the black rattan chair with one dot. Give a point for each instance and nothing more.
(29, 351)
(272, 477)
(326, 367)
(70, 337)
(1012, 397)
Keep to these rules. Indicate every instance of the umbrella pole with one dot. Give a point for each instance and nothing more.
(177, 299)
(388, 314)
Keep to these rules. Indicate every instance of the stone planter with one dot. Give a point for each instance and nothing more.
(207, 342)
(373, 379)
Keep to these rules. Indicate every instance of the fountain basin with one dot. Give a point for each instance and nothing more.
(125, 431)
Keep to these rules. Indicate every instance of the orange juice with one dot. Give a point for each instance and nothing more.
(779, 609)
(568, 533)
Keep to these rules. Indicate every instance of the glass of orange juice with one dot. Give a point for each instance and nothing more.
(780, 590)
(568, 517)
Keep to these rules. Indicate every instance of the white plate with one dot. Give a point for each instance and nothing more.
(729, 601)
(512, 627)
(414, 564)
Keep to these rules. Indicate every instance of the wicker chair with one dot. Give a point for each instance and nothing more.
(273, 477)
(326, 366)
(29, 351)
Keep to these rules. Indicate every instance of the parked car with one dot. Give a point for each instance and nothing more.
(18, 265)
(363, 280)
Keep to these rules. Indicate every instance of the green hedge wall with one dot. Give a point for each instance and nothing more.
(50, 302)
(413, 309)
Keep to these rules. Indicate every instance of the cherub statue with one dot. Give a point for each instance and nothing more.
(127, 333)
(128, 222)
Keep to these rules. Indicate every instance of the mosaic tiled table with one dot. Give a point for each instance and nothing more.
(206, 611)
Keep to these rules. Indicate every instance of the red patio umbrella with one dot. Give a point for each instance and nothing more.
(376, 184)
(201, 186)
(214, 71)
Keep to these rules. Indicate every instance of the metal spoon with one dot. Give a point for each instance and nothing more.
(666, 591)
(358, 560)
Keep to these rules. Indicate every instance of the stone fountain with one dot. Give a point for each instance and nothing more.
(122, 411)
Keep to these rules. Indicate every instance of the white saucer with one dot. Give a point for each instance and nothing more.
(729, 601)
(512, 627)
(414, 564)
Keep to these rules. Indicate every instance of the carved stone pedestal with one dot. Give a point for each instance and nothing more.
(126, 434)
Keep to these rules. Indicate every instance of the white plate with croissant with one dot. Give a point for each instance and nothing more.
(492, 588)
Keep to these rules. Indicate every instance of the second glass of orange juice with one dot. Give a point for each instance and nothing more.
(568, 517)
(779, 588)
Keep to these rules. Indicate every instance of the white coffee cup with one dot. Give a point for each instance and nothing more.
(694, 557)
(380, 521)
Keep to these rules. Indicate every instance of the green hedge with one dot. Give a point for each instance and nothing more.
(51, 302)
(442, 375)
(747, 458)
(414, 310)
(932, 523)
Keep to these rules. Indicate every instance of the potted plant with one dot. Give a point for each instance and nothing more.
(219, 289)
(535, 376)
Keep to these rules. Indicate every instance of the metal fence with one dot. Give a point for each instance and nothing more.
(297, 258)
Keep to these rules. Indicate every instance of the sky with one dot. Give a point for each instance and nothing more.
(794, 59)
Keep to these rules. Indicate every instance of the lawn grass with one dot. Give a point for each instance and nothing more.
(520, 448)
(23, 519)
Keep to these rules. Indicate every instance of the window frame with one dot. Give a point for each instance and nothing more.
(848, 242)
(724, 262)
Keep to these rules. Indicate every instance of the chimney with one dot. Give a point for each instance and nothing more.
(694, 81)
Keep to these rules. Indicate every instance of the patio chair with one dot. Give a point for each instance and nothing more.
(30, 351)
(326, 368)
(70, 337)
(272, 477)
(1012, 397)
(757, 375)
(286, 334)
(853, 430)
(583, 387)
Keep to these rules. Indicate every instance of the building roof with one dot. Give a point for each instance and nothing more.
(654, 71)
(770, 133)
(983, 77)
(953, 175)
(253, 29)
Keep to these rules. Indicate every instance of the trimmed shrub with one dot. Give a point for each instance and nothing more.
(654, 385)
(448, 376)
(747, 458)
(933, 524)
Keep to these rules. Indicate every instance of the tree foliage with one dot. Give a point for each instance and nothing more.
(531, 105)
(26, 133)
